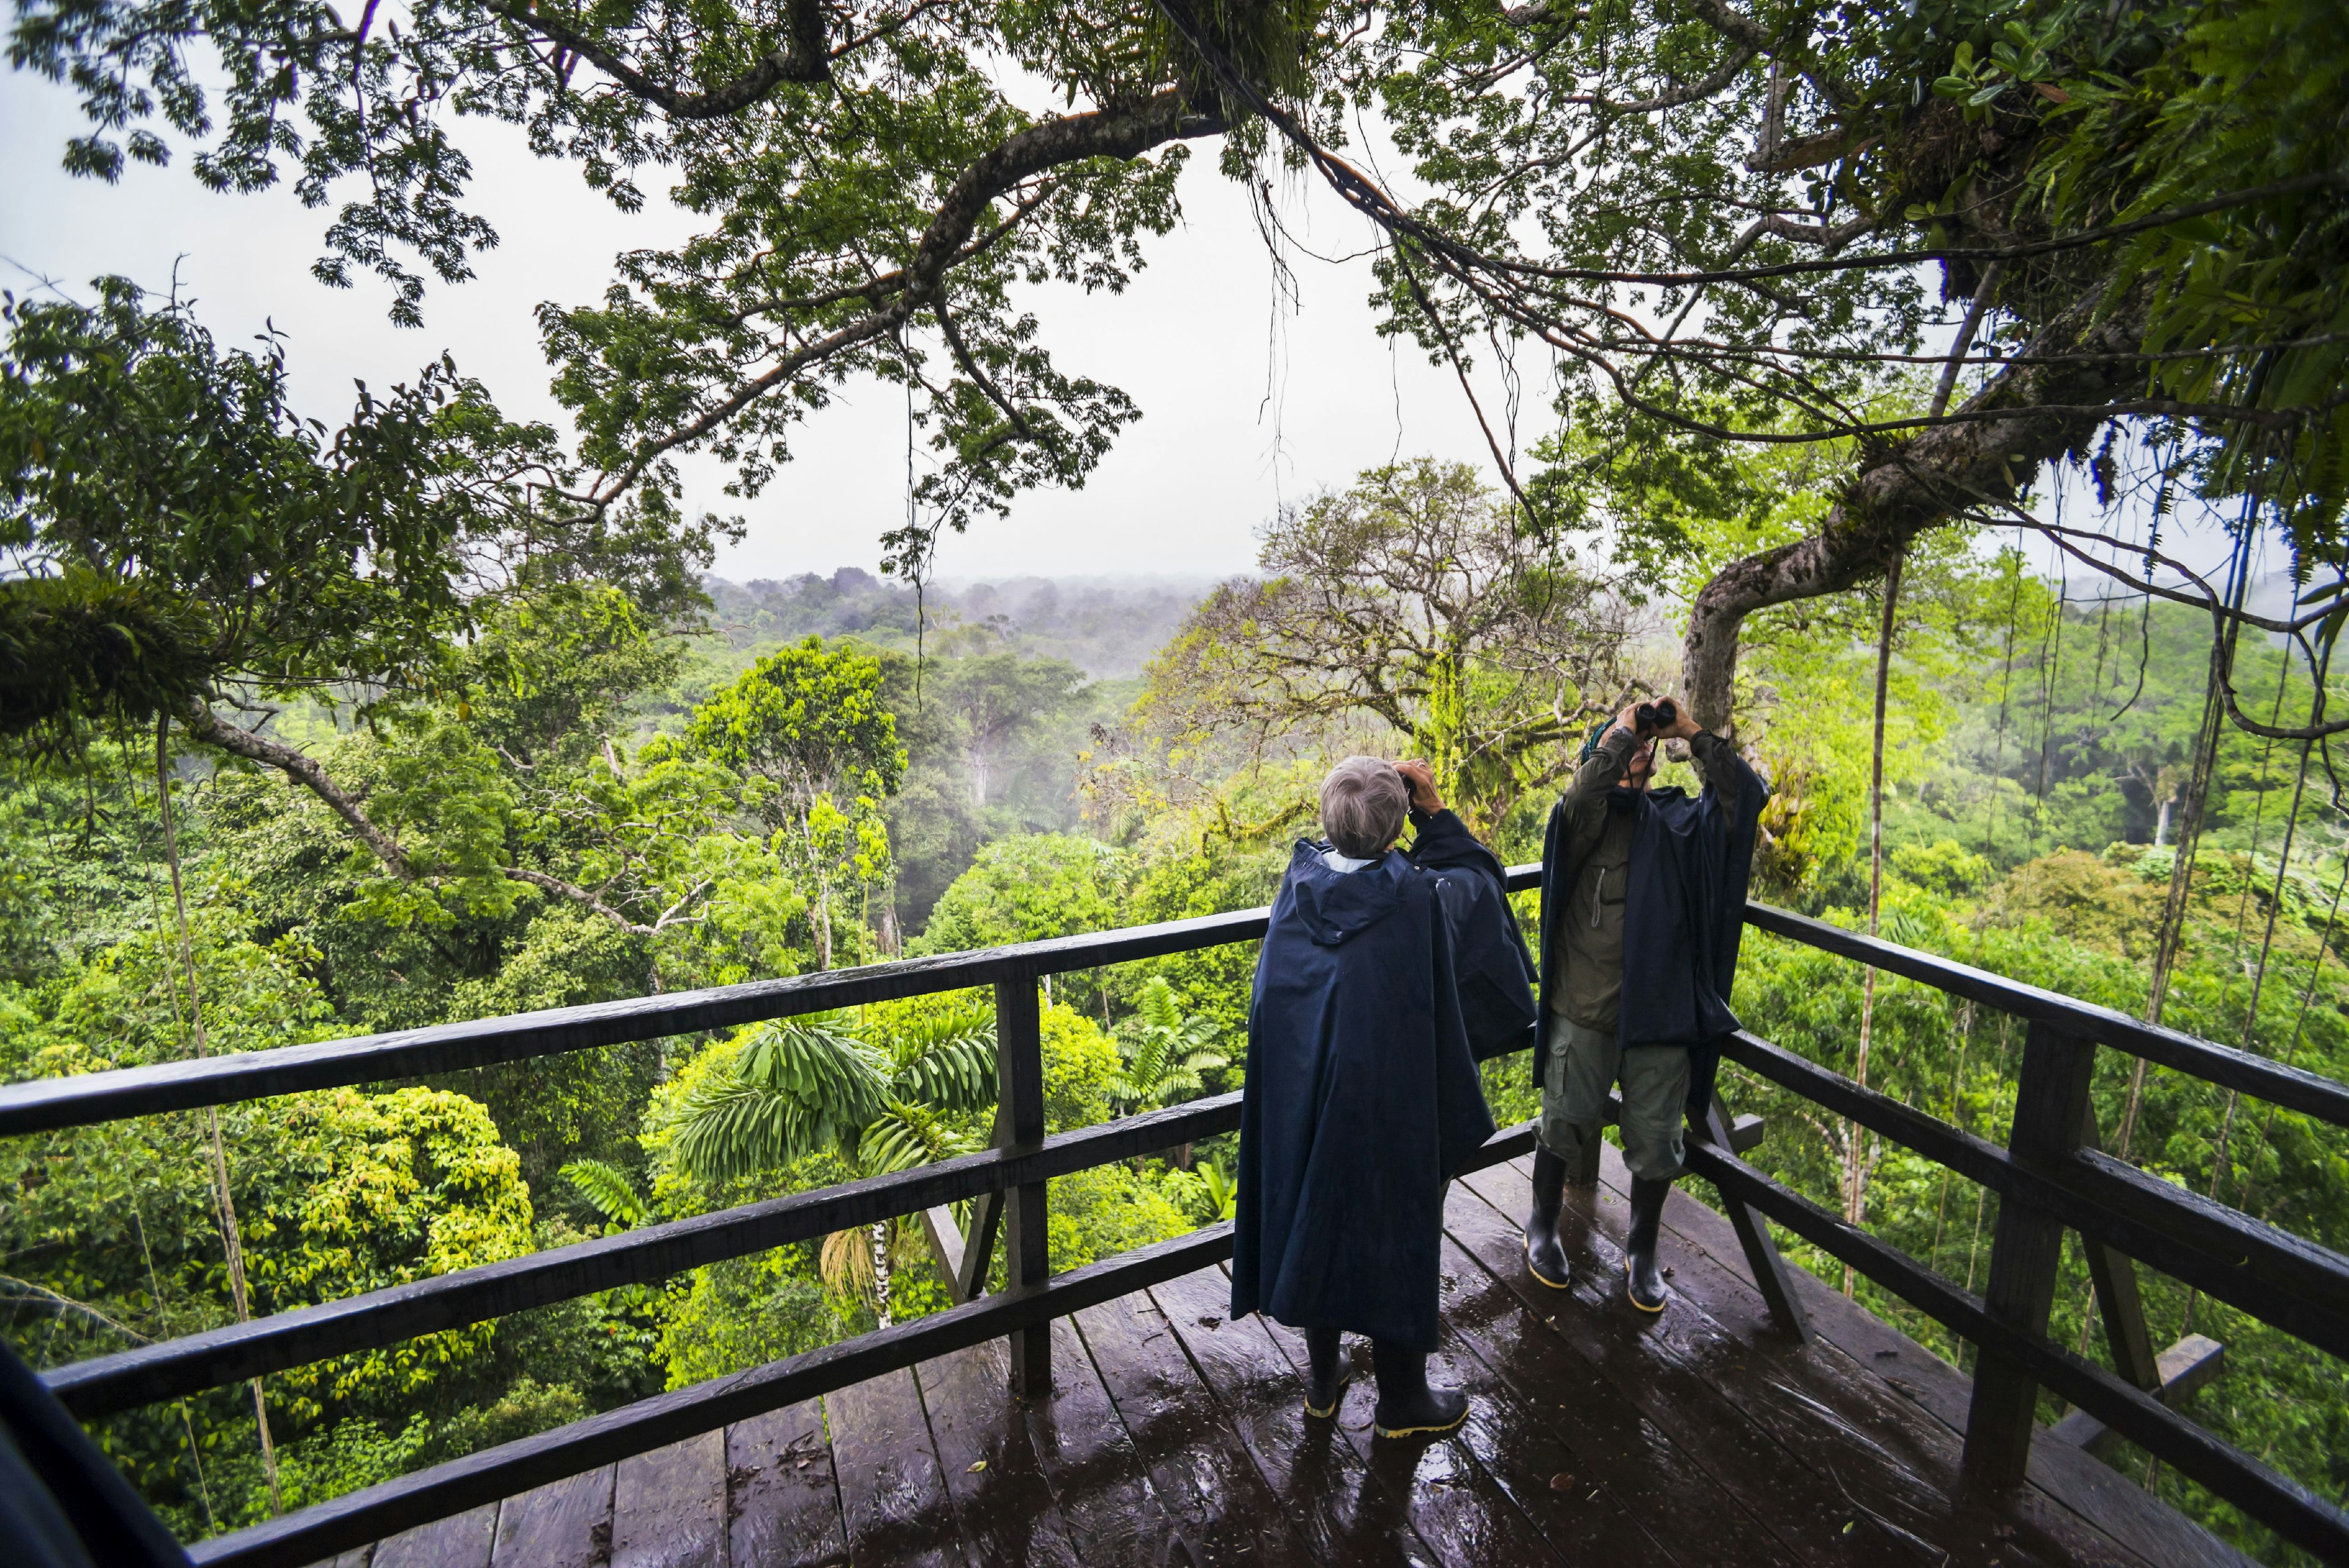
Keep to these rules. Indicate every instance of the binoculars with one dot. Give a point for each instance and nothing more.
(1650, 717)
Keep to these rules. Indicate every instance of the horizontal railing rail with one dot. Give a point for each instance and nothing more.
(2049, 1175)
(47, 1104)
(645, 1255)
(2292, 1283)
(2292, 1088)
(2276, 1499)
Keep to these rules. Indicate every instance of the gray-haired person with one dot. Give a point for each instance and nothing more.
(1361, 1100)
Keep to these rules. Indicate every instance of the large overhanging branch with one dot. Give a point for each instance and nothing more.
(1929, 479)
(1120, 130)
(1498, 283)
(2074, 376)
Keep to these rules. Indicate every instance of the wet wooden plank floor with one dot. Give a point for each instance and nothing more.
(1177, 1438)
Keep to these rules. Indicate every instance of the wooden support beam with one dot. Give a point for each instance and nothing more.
(1746, 1133)
(2115, 1275)
(944, 1233)
(979, 1246)
(2180, 1370)
(1770, 1270)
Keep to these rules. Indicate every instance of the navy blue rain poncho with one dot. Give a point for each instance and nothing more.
(1494, 971)
(1361, 1100)
(1684, 913)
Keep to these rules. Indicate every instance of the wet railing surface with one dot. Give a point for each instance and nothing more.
(2049, 1175)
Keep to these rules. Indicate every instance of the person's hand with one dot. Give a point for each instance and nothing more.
(1685, 728)
(1628, 720)
(1422, 780)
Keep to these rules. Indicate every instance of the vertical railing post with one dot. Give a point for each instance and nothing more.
(1019, 1087)
(2050, 1108)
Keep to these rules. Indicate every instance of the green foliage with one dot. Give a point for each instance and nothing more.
(1026, 888)
(2234, 98)
(114, 1236)
(1213, 982)
(944, 1058)
(1223, 1193)
(178, 526)
(794, 1088)
(808, 720)
(607, 1191)
(1165, 1054)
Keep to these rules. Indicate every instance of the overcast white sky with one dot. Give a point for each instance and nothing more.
(1243, 406)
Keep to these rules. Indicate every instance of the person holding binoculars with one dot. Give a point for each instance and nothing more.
(1643, 896)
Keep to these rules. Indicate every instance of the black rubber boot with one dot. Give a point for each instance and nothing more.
(1544, 1258)
(1645, 1283)
(1325, 1373)
(1407, 1406)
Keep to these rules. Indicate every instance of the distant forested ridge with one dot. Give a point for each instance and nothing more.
(1108, 627)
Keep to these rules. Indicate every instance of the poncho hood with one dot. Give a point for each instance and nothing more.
(1333, 905)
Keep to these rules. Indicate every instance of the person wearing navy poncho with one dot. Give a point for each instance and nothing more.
(1643, 900)
(1361, 1100)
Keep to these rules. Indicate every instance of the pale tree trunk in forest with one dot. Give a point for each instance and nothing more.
(223, 1200)
(821, 920)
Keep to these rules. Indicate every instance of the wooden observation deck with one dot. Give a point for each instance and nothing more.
(1176, 1436)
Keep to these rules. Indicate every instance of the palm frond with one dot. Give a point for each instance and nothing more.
(947, 1060)
(905, 1136)
(1156, 1004)
(607, 1191)
(1163, 1052)
(795, 1086)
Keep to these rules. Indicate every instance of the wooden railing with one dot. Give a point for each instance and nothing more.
(2049, 1176)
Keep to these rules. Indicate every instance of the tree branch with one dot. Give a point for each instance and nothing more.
(1120, 130)
(2008, 429)
(208, 727)
(205, 725)
(804, 59)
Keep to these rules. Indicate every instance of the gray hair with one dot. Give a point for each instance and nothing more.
(1364, 802)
